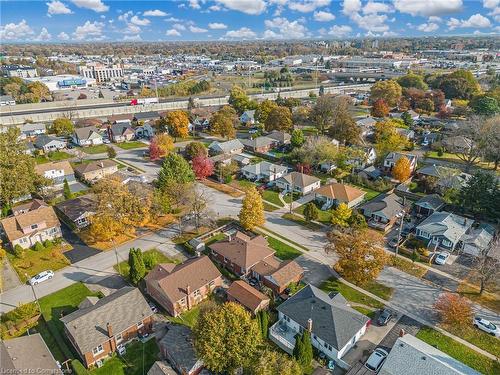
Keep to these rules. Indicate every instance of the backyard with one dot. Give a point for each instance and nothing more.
(324, 217)
(53, 156)
(156, 257)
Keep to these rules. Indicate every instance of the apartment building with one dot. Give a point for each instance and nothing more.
(101, 72)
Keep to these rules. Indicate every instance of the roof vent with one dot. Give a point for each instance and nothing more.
(424, 358)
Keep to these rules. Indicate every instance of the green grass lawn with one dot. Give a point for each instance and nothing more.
(301, 221)
(283, 251)
(54, 156)
(131, 145)
(98, 149)
(288, 198)
(123, 268)
(277, 235)
(365, 311)
(272, 196)
(370, 193)
(459, 351)
(269, 207)
(454, 158)
(213, 239)
(243, 184)
(378, 289)
(350, 294)
(479, 338)
(190, 317)
(324, 217)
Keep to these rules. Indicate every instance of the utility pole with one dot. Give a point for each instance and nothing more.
(34, 294)
(116, 255)
(399, 236)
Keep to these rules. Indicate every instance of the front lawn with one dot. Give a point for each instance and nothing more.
(366, 311)
(123, 268)
(97, 149)
(481, 339)
(370, 193)
(283, 251)
(131, 145)
(350, 294)
(459, 351)
(324, 217)
(301, 221)
(243, 184)
(53, 156)
(269, 207)
(34, 262)
(380, 290)
(412, 268)
(273, 197)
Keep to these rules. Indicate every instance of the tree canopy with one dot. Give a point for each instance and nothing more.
(390, 91)
(223, 122)
(62, 126)
(174, 170)
(412, 80)
(252, 210)
(280, 118)
(178, 124)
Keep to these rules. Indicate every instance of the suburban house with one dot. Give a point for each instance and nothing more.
(366, 126)
(444, 230)
(33, 205)
(146, 116)
(56, 171)
(366, 157)
(96, 329)
(247, 296)
(429, 204)
(335, 193)
(32, 130)
(27, 355)
(334, 326)
(263, 171)
(178, 288)
(121, 132)
(248, 117)
(414, 115)
(412, 356)
(252, 257)
(298, 182)
(47, 143)
(281, 137)
(88, 136)
(31, 227)
(457, 143)
(383, 211)
(144, 131)
(406, 133)
(234, 146)
(176, 346)
(125, 118)
(447, 178)
(259, 144)
(370, 173)
(77, 212)
(477, 241)
(161, 368)
(392, 158)
(95, 170)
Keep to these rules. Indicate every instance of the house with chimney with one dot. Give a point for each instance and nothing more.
(180, 287)
(95, 170)
(335, 327)
(99, 326)
(87, 136)
(56, 171)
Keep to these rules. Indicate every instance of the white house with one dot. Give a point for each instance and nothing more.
(263, 171)
(298, 182)
(248, 117)
(334, 326)
(234, 146)
(88, 136)
(392, 158)
(365, 158)
(47, 143)
(32, 130)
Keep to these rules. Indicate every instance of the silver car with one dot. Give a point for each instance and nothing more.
(41, 277)
(487, 326)
(376, 360)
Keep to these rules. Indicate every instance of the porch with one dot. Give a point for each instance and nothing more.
(283, 336)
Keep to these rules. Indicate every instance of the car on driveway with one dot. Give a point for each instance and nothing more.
(41, 277)
(395, 241)
(376, 359)
(487, 326)
(441, 258)
(384, 317)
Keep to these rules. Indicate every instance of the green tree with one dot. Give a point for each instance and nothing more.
(67, 191)
(195, 149)
(111, 152)
(226, 337)
(275, 363)
(341, 216)
(303, 351)
(263, 320)
(174, 170)
(485, 105)
(311, 212)
(239, 100)
(280, 118)
(252, 211)
(297, 139)
(390, 91)
(264, 109)
(407, 119)
(223, 122)
(413, 80)
(62, 126)
(137, 266)
(481, 195)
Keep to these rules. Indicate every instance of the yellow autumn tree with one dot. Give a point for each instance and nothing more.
(402, 169)
(252, 212)
(165, 143)
(178, 124)
(341, 215)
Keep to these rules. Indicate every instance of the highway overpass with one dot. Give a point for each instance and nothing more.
(88, 108)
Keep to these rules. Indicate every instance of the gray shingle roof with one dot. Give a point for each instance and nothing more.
(264, 167)
(387, 204)
(43, 140)
(122, 309)
(446, 224)
(258, 142)
(227, 146)
(299, 179)
(179, 344)
(86, 132)
(433, 201)
(332, 319)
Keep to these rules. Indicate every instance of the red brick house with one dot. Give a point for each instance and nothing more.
(178, 288)
(248, 296)
(100, 325)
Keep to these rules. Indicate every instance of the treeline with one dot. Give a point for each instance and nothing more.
(185, 88)
(22, 92)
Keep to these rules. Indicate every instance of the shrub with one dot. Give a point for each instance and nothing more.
(38, 246)
(48, 244)
(150, 260)
(19, 251)
(3, 253)
(78, 368)
(440, 151)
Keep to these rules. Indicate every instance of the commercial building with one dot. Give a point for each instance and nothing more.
(101, 72)
(64, 82)
(21, 71)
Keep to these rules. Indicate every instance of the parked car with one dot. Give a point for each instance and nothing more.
(376, 359)
(395, 241)
(441, 258)
(154, 309)
(384, 317)
(253, 130)
(121, 349)
(41, 277)
(486, 326)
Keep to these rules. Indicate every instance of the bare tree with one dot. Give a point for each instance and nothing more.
(198, 205)
(487, 265)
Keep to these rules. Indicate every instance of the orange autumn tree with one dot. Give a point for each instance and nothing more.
(402, 169)
(178, 124)
(380, 108)
(453, 310)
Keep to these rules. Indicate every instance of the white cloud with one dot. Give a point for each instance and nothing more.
(428, 27)
(242, 33)
(474, 21)
(246, 6)
(173, 32)
(95, 5)
(132, 38)
(63, 36)
(89, 29)
(179, 26)
(132, 29)
(307, 6)
(173, 19)
(371, 22)
(217, 26)
(495, 13)
(435, 19)
(351, 6)
(140, 22)
(195, 29)
(287, 29)
(13, 31)
(269, 34)
(373, 8)
(43, 36)
(428, 8)
(57, 7)
(155, 13)
(340, 31)
(195, 4)
(214, 8)
(389, 33)
(491, 4)
(322, 16)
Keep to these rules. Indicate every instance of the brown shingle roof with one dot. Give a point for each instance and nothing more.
(35, 204)
(64, 165)
(342, 193)
(247, 295)
(174, 279)
(13, 225)
(243, 250)
(95, 166)
(267, 266)
(287, 272)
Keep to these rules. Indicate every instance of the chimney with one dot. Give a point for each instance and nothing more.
(402, 332)
(188, 292)
(110, 329)
(309, 325)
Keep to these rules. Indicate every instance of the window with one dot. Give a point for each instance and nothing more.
(211, 283)
(197, 293)
(182, 301)
(447, 243)
(118, 337)
(34, 226)
(139, 324)
(98, 350)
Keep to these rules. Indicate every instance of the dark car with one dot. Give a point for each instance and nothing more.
(384, 317)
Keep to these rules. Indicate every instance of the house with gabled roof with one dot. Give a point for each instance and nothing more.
(232, 147)
(335, 194)
(95, 170)
(56, 171)
(48, 143)
(392, 158)
(335, 327)
(263, 171)
(383, 211)
(88, 136)
(247, 296)
(121, 132)
(298, 182)
(259, 144)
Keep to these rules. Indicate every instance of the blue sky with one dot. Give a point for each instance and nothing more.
(172, 20)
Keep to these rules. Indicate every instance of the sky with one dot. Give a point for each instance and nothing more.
(188, 20)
